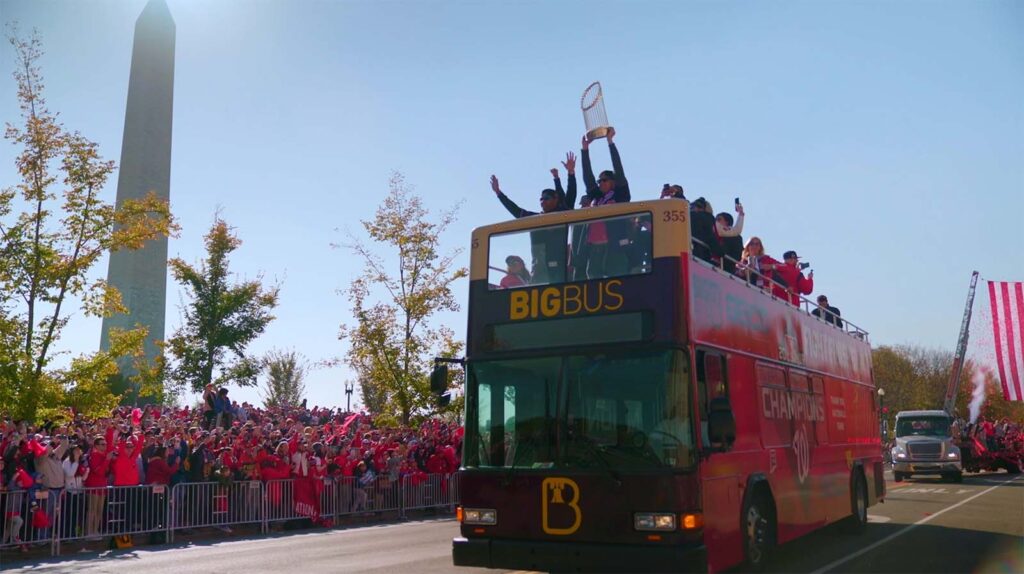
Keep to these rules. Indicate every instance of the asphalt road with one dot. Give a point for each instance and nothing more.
(924, 526)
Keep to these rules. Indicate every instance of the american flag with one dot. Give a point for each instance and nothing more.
(1007, 301)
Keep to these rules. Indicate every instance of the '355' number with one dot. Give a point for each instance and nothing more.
(677, 215)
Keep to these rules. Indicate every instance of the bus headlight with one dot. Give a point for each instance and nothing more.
(952, 455)
(485, 516)
(654, 521)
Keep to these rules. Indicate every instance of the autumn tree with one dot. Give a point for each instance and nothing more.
(220, 319)
(54, 228)
(285, 383)
(916, 378)
(392, 342)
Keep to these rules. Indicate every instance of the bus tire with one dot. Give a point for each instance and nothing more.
(897, 476)
(758, 531)
(1012, 468)
(858, 519)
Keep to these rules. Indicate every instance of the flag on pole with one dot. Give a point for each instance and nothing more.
(1007, 300)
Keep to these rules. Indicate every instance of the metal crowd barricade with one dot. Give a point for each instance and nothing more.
(435, 491)
(18, 509)
(94, 513)
(215, 504)
(279, 501)
(113, 511)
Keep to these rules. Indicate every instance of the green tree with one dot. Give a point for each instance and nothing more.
(391, 343)
(916, 377)
(220, 319)
(285, 383)
(53, 230)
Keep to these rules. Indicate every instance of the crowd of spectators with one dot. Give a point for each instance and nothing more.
(221, 441)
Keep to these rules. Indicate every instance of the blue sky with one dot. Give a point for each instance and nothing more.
(883, 141)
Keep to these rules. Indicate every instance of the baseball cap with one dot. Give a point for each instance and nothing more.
(511, 258)
(789, 254)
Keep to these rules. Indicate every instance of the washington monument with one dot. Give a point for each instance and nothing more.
(141, 275)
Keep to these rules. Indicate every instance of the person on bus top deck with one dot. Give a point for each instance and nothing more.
(702, 229)
(829, 314)
(755, 265)
(672, 191)
(517, 275)
(547, 246)
(730, 238)
(610, 186)
(793, 278)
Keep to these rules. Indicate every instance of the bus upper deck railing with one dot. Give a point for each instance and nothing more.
(806, 305)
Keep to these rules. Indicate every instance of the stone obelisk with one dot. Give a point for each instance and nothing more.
(141, 275)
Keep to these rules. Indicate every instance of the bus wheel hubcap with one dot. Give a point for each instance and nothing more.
(755, 533)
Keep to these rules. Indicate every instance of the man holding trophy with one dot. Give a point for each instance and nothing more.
(610, 186)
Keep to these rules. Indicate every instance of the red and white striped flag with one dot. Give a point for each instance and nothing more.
(1007, 301)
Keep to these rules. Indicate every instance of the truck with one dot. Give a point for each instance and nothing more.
(924, 446)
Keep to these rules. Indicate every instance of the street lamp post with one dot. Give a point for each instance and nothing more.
(349, 387)
(881, 412)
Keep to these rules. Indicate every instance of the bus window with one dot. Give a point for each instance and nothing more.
(514, 406)
(610, 247)
(534, 257)
(711, 383)
(628, 412)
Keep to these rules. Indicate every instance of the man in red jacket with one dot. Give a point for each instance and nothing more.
(96, 483)
(794, 280)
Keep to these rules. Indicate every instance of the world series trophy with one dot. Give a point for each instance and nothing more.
(594, 116)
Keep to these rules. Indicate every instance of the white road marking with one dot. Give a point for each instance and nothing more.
(906, 529)
(878, 519)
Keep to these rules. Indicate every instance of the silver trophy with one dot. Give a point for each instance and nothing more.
(594, 116)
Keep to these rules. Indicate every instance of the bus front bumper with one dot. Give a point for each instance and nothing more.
(576, 556)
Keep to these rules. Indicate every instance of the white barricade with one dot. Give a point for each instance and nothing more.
(111, 511)
(20, 526)
(435, 491)
(95, 513)
(215, 504)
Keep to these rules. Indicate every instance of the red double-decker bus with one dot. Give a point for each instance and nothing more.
(630, 407)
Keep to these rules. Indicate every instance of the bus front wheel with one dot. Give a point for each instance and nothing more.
(758, 532)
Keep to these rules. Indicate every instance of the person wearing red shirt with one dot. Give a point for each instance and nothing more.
(96, 483)
(158, 473)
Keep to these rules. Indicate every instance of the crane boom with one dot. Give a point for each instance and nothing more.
(961, 350)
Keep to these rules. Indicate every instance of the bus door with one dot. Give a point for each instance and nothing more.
(719, 471)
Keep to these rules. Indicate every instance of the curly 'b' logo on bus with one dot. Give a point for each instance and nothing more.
(802, 450)
(559, 495)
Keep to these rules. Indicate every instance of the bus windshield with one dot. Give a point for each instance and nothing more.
(593, 411)
(923, 426)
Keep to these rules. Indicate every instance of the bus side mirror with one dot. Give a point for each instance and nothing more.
(439, 379)
(721, 424)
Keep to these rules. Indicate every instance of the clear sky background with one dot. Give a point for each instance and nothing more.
(884, 141)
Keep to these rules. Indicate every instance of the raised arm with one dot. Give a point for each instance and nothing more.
(735, 230)
(621, 183)
(510, 205)
(570, 168)
(589, 181)
(558, 181)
